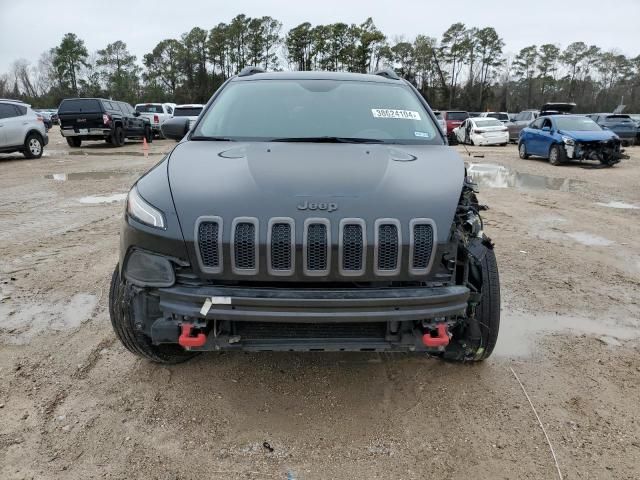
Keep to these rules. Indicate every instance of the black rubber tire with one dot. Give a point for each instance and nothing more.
(134, 341)
(503, 144)
(557, 155)
(148, 134)
(487, 313)
(74, 141)
(522, 151)
(33, 140)
(117, 137)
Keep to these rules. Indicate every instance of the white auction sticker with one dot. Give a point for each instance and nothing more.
(393, 113)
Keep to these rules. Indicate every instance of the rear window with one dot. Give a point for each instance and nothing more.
(618, 118)
(79, 105)
(187, 111)
(149, 109)
(457, 116)
(488, 122)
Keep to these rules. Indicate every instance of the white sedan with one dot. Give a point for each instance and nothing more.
(482, 131)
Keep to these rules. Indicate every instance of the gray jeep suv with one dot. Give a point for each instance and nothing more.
(306, 211)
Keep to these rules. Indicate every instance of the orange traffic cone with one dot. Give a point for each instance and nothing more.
(145, 145)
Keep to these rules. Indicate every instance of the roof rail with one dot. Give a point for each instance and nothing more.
(388, 73)
(246, 71)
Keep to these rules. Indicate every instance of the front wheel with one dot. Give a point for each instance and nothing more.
(522, 151)
(557, 155)
(121, 313)
(477, 344)
(33, 146)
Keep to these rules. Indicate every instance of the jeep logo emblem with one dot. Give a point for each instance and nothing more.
(328, 207)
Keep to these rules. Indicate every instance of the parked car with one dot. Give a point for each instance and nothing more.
(157, 113)
(636, 119)
(557, 108)
(268, 229)
(482, 131)
(521, 120)
(441, 121)
(21, 129)
(191, 111)
(619, 123)
(454, 118)
(99, 119)
(54, 117)
(502, 116)
(564, 137)
(46, 118)
(475, 114)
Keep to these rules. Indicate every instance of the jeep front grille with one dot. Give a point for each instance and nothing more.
(313, 242)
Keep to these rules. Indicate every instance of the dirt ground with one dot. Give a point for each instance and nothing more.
(75, 405)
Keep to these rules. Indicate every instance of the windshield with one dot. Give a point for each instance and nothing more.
(295, 110)
(187, 111)
(488, 123)
(149, 108)
(577, 124)
(457, 115)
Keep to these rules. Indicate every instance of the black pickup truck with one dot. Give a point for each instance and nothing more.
(100, 119)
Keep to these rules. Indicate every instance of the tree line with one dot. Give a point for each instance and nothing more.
(466, 68)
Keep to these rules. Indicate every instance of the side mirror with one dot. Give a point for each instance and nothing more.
(546, 129)
(136, 114)
(175, 128)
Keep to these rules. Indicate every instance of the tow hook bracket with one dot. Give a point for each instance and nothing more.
(188, 338)
(441, 339)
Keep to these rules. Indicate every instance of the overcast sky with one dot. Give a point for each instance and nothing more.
(29, 27)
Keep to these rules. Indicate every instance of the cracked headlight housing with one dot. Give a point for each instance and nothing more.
(568, 141)
(143, 212)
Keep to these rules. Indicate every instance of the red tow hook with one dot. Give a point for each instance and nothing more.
(440, 340)
(187, 340)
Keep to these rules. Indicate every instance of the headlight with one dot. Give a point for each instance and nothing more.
(148, 270)
(143, 212)
(568, 140)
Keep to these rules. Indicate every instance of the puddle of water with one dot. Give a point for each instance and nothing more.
(63, 177)
(519, 331)
(590, 240)
(491, 175)
(623, 205)
(109, 153)
(94, 200)
(22, 322)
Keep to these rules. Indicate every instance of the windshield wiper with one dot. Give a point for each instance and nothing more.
(213, 139)
(328, 140)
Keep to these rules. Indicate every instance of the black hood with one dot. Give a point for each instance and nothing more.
(266, 180)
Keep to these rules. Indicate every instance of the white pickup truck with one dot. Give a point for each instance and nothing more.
(157, 113)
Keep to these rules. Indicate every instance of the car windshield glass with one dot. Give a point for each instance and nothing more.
(294, 110)
(457, 115)
(618, 119)
(79, 105)
(187, 111)
(149, 108)
(577, 124)
(488, 123)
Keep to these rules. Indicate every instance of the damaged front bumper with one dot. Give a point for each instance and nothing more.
(231, 318)
(606, 152)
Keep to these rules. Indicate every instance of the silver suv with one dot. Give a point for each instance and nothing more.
(21, 129)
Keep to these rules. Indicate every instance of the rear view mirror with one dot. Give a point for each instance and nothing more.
(175, 128)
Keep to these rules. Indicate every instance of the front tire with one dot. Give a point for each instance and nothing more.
(557, 155)
(522, 151)
(487, 315)
(121, 314)
(33, 146)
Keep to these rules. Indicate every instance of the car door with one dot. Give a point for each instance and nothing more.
(545, 138)
(14, 123)
(531, 137)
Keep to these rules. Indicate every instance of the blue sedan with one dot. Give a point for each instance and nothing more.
(564, 137)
